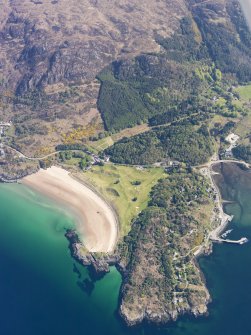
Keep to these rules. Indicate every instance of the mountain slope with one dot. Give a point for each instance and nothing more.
(51, 52)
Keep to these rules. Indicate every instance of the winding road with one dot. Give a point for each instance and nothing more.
(208, 165)
(211, 163)
(21, 155)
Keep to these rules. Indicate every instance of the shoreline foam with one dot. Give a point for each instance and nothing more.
(95, 220)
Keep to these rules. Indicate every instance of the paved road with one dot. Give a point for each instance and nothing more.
(211, 163)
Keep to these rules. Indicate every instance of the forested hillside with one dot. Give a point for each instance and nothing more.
(75, 73)
(186, 94)
(133, 91)
(183, 143)
(161, 278)
(51, 53)
(211, 45)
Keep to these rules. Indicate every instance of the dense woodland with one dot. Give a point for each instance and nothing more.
(135, 90)
(166, 228)
(62, 147)
(182, 142)
(243, 152)
(176, 93)
(177, 89)
(155, 88)
(228, 44)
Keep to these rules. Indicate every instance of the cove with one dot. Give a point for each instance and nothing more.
(44, 291)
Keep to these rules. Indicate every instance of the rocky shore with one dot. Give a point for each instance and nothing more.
(159, 307)
(100, 264)
(159, 284)
(162, 311)
(95, 220)
(163, 316)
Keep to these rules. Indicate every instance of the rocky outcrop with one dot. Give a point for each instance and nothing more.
(67, 41)
(52, 51)
(162, 314)
(99, 263)
(161, 279)
(135, 311)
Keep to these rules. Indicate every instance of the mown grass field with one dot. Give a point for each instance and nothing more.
(217, 118)
(117, 184)
(245, 92)
(243, 127)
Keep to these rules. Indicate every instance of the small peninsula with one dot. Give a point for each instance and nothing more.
(119, 112)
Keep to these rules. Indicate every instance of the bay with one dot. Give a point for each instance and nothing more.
(44, 291)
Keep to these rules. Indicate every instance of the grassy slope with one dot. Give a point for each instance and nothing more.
(121, 193)
(106, 142)
(244, 126)
(102, 144)
(245, 92)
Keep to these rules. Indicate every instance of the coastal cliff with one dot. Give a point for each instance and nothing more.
(161, 307)
(156, 311)
(166, 312)
(178, 94)
(99, 263)
(161, 279)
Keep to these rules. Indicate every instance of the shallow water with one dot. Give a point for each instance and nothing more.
(44, 291)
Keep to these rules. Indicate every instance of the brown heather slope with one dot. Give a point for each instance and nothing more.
(51, 52)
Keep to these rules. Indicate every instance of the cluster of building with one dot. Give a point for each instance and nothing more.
(232, 139)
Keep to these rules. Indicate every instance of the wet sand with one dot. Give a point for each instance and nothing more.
(95, 220)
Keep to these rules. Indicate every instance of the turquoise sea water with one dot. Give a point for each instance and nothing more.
(44, 291)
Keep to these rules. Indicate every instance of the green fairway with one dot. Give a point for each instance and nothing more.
(126, 188)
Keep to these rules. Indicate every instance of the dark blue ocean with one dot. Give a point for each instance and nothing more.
(44, 291)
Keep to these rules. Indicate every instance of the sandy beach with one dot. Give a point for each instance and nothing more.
(96, 222)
